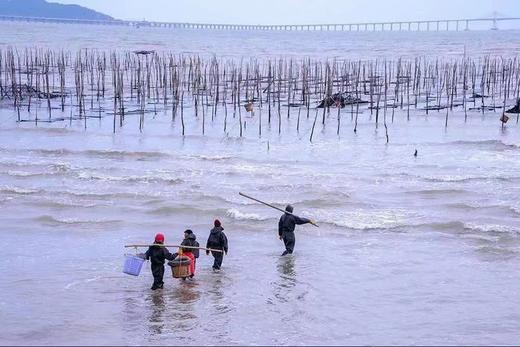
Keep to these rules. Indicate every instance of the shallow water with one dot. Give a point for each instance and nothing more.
(410, 250)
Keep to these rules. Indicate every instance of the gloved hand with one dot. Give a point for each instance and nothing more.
(207, 252)
(225, 252)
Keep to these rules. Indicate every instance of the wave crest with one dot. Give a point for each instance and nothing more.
(237, 215)
(18, 190)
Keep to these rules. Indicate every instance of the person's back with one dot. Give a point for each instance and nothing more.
(286, 227)
(288, 222)
(190, 241)
(158, 254)
(217, 240)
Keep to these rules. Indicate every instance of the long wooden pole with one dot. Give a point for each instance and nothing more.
(178, 246)
(272, 206)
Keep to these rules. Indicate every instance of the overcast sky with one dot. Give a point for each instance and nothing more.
(296, 11)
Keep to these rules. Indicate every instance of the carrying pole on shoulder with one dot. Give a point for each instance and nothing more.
(173, 246)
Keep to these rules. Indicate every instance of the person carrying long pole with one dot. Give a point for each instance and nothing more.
(286, 225)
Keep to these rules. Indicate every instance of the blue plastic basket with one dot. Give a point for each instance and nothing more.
(133, 265)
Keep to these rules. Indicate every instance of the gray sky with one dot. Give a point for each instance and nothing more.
(296, 11)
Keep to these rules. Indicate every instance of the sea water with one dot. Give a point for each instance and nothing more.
(410, 250)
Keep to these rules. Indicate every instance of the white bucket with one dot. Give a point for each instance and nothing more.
(132, 265)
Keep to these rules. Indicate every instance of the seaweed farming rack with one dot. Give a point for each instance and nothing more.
(46, 86)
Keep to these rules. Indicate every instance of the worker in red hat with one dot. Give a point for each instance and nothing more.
(217, 240)
(157, 254)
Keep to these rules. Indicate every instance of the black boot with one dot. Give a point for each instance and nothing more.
(156, 285)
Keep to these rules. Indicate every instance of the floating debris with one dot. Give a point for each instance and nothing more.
(144, 52)
(340, 100)
(515, 109)
(249, 107)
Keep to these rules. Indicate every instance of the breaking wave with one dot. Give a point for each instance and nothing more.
(464, 179)
(108, 195)
(460, 178)
(169, 210)
(237, 215)
(23, 173)
(492, 228)
(130, 179)
(383, 219)
(18, 190)
(451, 226)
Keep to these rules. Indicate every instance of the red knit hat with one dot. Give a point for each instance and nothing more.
(159, 238)
(217, 223)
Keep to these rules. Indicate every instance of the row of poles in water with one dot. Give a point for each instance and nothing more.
(52, 86)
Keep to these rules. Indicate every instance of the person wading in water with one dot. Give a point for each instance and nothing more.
(157, 254)
(286, 227)
(190, 240)
(217, 240)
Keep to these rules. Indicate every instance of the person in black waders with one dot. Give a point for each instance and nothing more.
(157, 255)
(286, 227)
(217, 240)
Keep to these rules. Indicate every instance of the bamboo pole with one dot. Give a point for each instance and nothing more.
(173, 246)
(272, 206)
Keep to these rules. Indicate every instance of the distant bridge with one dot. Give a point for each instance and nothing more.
(421, 25)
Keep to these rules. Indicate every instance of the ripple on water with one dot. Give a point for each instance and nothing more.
(56, 221)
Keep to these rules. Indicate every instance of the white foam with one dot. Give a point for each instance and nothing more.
(21, 173)
(150, 178)
(368, 219)
(236, 214)
(58, 220)
(18, 190)
(486, 228)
